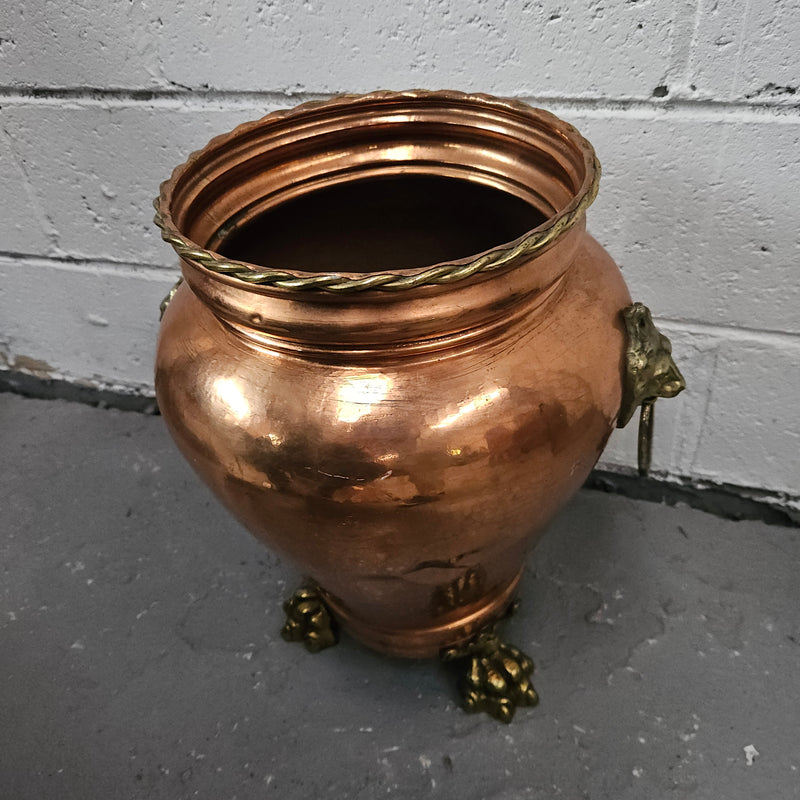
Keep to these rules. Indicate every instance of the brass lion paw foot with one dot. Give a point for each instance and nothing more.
(308, 620)
(494, 676)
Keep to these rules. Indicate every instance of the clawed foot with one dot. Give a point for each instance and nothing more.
(495, 676)
(308, 620)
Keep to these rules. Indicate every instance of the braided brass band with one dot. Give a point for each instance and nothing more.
(534, 241)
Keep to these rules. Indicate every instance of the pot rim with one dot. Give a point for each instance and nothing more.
(242, 273)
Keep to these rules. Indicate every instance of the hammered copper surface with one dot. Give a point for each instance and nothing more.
(404, 449)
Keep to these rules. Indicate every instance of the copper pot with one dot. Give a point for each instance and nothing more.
(396, 351)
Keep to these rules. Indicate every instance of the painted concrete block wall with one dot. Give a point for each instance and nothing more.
(692, 105)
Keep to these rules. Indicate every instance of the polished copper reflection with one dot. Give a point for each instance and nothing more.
(403, 448)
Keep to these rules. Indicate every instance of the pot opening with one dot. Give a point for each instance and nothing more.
(387, 222)
(340, 194)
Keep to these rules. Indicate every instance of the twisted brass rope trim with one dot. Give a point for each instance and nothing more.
(382, 281)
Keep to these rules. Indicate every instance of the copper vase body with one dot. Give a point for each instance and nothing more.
(403, 444)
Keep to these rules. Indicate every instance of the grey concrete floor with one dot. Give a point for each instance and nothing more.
(140, 654)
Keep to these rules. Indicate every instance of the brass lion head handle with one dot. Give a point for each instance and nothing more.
(650, 373)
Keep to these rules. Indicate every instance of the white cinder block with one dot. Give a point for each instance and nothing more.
(737, 421)
(513, 47)
(702, 214)
(683, 205)
(93, 172)
(550, 47)
(48, 43)
(751, 434)
(747, 51)
(95, 324)
(696, 351)
(24, 226)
